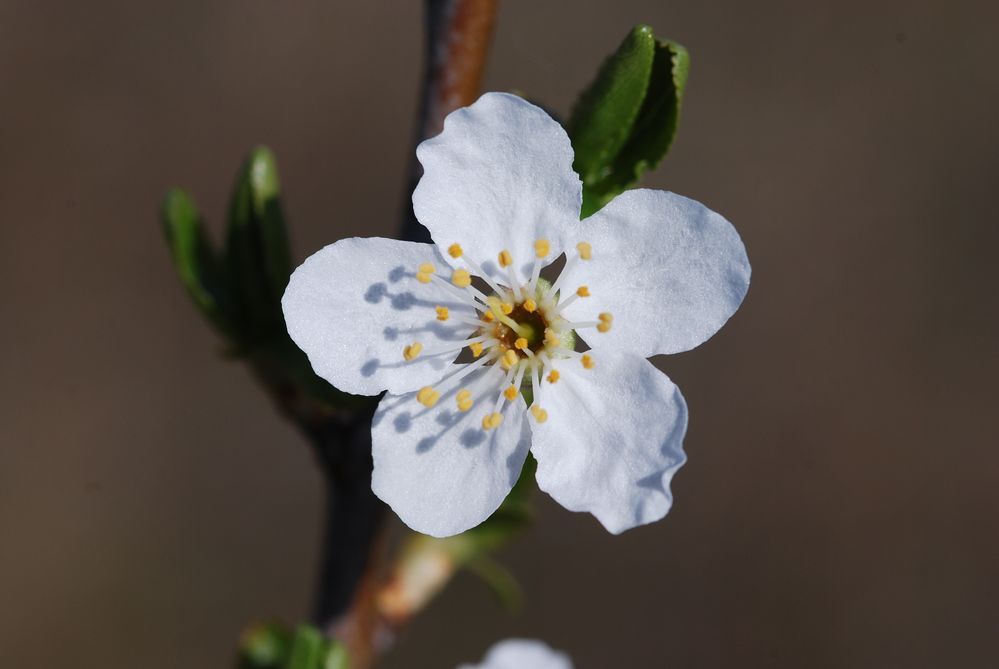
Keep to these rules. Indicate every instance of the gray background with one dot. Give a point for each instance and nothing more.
(840, 502)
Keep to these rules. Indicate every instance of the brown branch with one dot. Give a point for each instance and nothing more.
(458, 36)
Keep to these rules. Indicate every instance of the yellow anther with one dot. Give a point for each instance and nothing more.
(509, 359)
(442, 313)
(521, 343)
(605, 317)
(605, 322)
(492, 421)
(585, 250)
(551, 338)
(505, 259)
(506, 308)
(553, 376)
(424, 278)
(427, 396)
(510, 393)
(583, 291)
(476, 349)
(461, 278)
(464, 400)
(454, 250)
(488, 317)
(530, 306)
(542, 247)
(540, 415)
(603, 327)
(587, 361)
(411, 351)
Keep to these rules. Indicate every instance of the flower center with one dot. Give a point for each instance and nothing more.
(519, 334)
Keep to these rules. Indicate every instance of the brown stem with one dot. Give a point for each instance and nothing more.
(458, 37)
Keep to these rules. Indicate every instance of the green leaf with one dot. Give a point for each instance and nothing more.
(264, 646)
(625, 121)
(308, 649)
(195, 260)
(603, 116)
(258, 259)
(654, 129)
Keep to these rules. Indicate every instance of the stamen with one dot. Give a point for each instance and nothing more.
(452, 347)
(587, 361)
(488, 317)
(509, 359)
(582, 291)
(442, 313)
(475, 300)
(476, 349)
(535, 381)
(410, 352)
(542, 247)
(553, 376)
(506, 261)
(464, 399)
(605, 322)
(492, 421)
(584, 251)
(505, 395)
(552, 339)
(530, 306)
(462, 372)
(540, 415)
(425, 272)
(454, 251)
(521, 344)
(479, 272)
(461, 279)
(427, 396)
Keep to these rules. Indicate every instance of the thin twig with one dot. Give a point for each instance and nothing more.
(458, 37)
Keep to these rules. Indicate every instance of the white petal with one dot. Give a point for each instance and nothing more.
(437, 468)
(613, 439)
(356, 304)
(668, 269)
(498, 177)
(522, 654)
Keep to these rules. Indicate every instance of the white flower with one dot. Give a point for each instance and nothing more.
(650, 273)
(522, 654)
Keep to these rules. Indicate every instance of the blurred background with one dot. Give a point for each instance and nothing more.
(839, 506)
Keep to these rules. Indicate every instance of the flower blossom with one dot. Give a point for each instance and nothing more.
(484, 359)
(522, 654)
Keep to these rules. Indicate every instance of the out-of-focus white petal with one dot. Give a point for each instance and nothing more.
(613, 439)
(437, 468)
(668, 269)
(522, 654)
(356, 304)
(498, 177)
